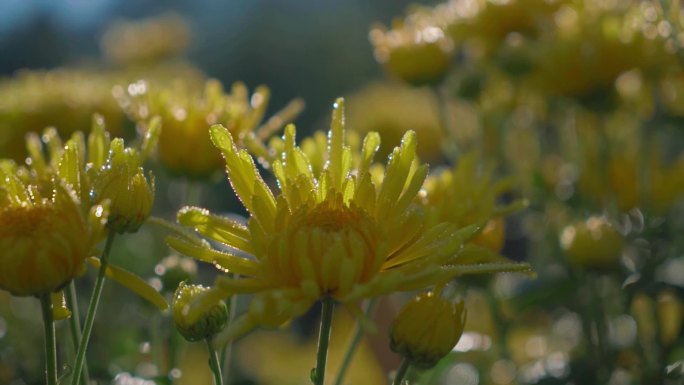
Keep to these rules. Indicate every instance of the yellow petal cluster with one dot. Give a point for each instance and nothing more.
(337, 233)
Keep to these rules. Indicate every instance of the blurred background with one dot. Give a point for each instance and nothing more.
(309, 49)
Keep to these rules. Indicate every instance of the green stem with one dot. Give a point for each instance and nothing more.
(318, 374)
(50, 342)
(214, 363)
(401, 372)
(75, 325)
(92, 310)
(227, 351)
(353, 343)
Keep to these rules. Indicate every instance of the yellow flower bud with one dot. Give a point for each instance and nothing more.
(207, 325)
(427, 329)
(593, 244)
(122, 182)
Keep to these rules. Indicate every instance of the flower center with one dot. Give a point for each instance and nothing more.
(330, 245)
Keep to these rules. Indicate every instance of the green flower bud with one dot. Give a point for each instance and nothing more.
(206, 326)
(427, 329)
(122, 181)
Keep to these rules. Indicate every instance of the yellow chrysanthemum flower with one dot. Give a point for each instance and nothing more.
(185, 112)
(337, 234)
(84, 166)
(468, 194)
(44, 240)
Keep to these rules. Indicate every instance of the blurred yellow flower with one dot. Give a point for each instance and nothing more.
(146, 41)
(592, 244)
(337, 234)
(466, 194)
(414, 50)
(186, 112)
(62, 98)
(391, 110)
(44, 238)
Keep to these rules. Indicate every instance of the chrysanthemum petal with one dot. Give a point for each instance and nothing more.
(242, 172)
(336, 145)
(228, 262)
(413, 185)
(487, 268)
(215, 227)
(472, 254)
(133, 283)
(98, 143)
(396, 174)
(69, 165)
(371, 144)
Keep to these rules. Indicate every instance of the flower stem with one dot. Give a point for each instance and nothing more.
(92, 309)
(75, 325)
(50, 342)
(318, 374)
(214, 363)
(353, 344)
(227, 352)
(401, 372)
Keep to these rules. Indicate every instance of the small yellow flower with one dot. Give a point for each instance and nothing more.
(208, 325)
(148, 41)
(467, 194)
(427, 329)
(593, 244)
(414, 50)
(185, 113)
(44, 239)
(337, 234)
(122, 181)
(62, 98)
